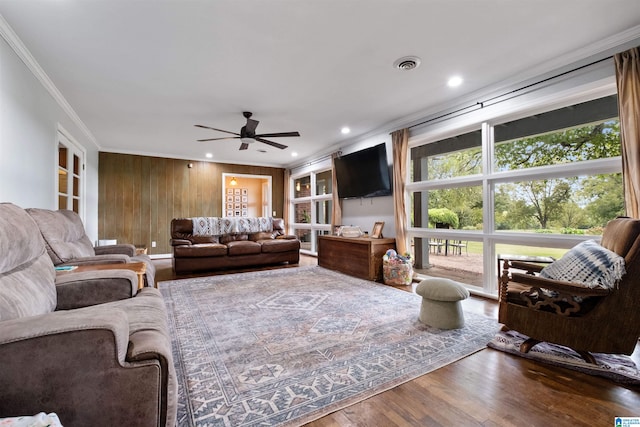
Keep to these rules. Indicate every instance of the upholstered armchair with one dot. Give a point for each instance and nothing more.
(598, 314)
(68, 244)
(101, 365)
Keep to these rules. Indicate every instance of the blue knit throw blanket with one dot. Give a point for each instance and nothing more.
(588, 263)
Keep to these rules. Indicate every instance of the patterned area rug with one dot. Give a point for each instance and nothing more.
(619, 368)
(285, 347)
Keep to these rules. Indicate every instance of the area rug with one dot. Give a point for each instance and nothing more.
(619, 368)
(287, 346)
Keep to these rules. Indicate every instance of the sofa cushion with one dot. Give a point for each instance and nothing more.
(201, 250)
(63, 233)
(279, 245)
(204, 239)
(263, 235)
(27, 276)
(226, 238)
(243, 247)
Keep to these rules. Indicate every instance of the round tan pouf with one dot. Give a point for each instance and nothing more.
(441, 306)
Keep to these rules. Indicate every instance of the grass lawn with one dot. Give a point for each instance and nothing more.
(476, 248)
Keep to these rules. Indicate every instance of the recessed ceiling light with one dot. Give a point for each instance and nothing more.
(454, 81)
(345, 130)
(208, 155)
(294, 154)
(407, 63)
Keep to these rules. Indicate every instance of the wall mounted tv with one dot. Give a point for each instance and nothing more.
(364, 173)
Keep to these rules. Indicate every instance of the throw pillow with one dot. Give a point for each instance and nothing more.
(587, 263)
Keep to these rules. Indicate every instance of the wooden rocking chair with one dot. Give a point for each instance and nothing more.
(587, 320)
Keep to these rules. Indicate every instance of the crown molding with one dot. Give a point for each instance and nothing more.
(25, 56)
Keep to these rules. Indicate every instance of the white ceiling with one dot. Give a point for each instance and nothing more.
(141, 73)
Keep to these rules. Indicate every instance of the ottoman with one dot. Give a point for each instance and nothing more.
(441, 306)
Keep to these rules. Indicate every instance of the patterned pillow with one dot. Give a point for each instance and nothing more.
(587, 263)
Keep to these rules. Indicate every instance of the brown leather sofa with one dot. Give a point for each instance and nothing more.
(193, 253)
(92, 364)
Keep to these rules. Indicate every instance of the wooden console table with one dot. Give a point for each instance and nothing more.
(356, 256)
(137, 267)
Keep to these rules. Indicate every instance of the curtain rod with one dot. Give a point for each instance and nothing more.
(482, 104)
(317, 160)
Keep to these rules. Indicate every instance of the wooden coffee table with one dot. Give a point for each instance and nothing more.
(137, 267)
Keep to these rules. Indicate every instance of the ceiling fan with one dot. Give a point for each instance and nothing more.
(248, 134)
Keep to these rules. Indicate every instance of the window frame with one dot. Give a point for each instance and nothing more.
(63, 138)
(488, 178)
(313, 226)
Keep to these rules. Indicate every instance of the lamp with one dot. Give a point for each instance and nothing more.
(233, 181)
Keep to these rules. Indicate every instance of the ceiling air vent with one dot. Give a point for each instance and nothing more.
(407, 63)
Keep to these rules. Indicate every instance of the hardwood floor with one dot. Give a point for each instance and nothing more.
(488, 388)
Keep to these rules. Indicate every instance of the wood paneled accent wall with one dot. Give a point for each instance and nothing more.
(139, 195)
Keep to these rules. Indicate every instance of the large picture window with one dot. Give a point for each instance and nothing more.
(534, 185)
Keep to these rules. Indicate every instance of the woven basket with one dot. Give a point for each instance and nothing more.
(397, 274)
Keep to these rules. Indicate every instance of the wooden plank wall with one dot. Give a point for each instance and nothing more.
(139, 195)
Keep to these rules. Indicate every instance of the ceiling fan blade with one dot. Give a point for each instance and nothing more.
(219, 130)
(271, 143)
(244, 146)
(278, 135)
(218, 139)
(251, 126)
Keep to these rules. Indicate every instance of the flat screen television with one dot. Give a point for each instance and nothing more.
(364, 173)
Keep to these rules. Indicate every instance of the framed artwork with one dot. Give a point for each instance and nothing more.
(376, 233)
(237, 202)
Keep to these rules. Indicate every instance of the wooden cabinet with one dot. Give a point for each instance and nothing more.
(356, 256)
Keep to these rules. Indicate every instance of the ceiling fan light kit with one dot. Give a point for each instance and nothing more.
(248, 134)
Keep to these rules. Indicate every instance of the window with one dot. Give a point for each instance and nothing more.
(312, 206)
(540, 183)
(70, 170)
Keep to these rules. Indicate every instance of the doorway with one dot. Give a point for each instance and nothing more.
(246, 195)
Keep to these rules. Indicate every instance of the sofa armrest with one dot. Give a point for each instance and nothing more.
(180, 242)
(31, 332)
(99, 259)
(123, 249)
(74, 361)
(568, 288)
(81, 289)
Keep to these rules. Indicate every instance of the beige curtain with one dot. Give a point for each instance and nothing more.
(628, 81)
(287, 199)
(336, 212)
(400, 142)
